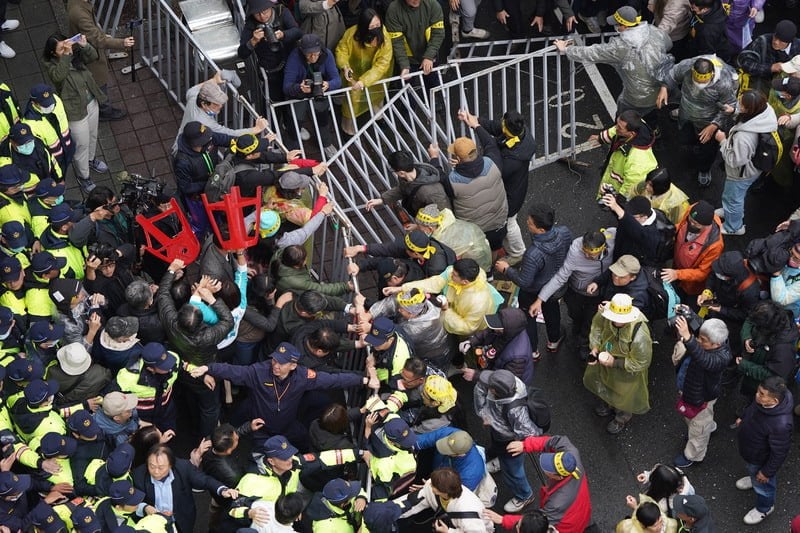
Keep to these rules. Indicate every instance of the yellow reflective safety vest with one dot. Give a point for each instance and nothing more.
(389, 363)
(10, 209)
(9, 110)
(134, 379)
(59, 246)
(56, 137)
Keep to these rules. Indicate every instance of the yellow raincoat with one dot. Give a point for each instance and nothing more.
(467, 304)
(673, 203)
(370, 65)
(624, 388)
(466, 239)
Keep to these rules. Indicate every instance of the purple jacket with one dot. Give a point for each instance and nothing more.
(513, 345)
(765, 435)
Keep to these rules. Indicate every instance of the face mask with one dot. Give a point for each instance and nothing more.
(47, 110)
(26, 149)
(59, 200)
(721, 277)
(211, 114)
(16, 251)
(375, 33)
(701, 86)
(5, 335)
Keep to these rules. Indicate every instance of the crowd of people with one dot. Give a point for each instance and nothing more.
(113, 352)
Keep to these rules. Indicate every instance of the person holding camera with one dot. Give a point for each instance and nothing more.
(700, 361)
(66, 63)
(621, 351)
(109, 223)
(310, 73)
(271, 32)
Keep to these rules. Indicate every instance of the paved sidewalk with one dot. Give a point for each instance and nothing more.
(140, 143)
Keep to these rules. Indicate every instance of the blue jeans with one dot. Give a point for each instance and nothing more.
(733, 196)
(513, 469)
(765, 492)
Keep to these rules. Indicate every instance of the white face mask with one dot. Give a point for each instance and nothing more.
(701, 86)
(5, 335)
(47, 110)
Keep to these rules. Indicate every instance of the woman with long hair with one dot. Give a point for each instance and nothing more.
(364, 54)
(738, 147)
(65, 64)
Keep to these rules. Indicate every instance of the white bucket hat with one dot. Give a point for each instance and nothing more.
(791, 66)
(74, 359)
(621, 309)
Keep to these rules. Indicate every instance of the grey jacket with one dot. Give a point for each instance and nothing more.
(638, 55)
(739, 146)
(579, 271)
(425, 189)
(507, 424)
(704, 106)
(424, 332)
(482, 200)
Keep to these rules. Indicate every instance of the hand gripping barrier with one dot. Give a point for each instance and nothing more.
(230, 210)
(183, 246)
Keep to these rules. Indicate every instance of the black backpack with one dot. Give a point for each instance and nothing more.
(659, 299)
(538, 408)
(666, 231)
(223, 178)
(769, 151)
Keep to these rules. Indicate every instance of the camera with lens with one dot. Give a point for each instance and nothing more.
(605, 188)
(316, 85)
(140, 193)
(7, 442)
(270, 37)
(102, 251)
(694, 322)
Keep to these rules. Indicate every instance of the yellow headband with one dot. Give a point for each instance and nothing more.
(557, 460)
(594, 250)
(414, 299)
(425, 218)
(511, 139)
(247, 149)
(619, 309)
(425, 251)
(622, 22)
(701, 78)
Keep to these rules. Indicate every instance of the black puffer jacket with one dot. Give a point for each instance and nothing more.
(735, 303)
(701, 383)
(150, 327)
(636, 289)
(516, 161)
(440, 259)
(709, 34)
(765, 435)
(201, 347)
(637, 240)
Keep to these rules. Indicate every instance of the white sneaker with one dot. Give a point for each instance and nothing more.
(754, 516)
(6, 51)
(515, 505)
(304, 135)
(744, 483)
(493, 466)
(476, 33)
(10, 25)
(720, 212)
(740, 231)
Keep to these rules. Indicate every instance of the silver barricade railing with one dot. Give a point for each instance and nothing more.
(108, 14)
(170, 51)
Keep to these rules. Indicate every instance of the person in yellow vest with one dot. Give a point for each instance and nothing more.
(55, 239)
(44, 267)
(12, 198)
(15, 241)
(45, 519)
(59, 447)
(47, 118)
(41, 341)
(33, 414)
(391, 351)
(20, 372)
(83, 518)
(151, 378)
(120, 505)
(99, 474)
(30, 153)
(155, 523)
(338, 508)
(9, 110)
(47, 194)
(12, 296)
(12, 337)
(391, 445)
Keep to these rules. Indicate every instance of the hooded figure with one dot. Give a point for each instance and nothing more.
(506, 334)
(735, 287)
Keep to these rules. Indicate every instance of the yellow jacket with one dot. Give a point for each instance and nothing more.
(467, 304)
(370, 65)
